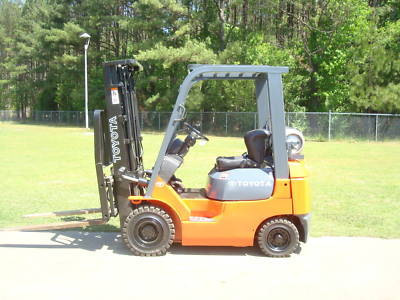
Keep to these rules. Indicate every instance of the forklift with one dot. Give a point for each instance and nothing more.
(259, 198)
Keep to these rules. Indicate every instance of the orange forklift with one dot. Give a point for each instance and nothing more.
(260, 198)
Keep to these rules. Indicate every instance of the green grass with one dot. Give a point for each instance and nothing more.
(355, 186)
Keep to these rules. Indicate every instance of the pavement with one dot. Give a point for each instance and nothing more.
(96, 265)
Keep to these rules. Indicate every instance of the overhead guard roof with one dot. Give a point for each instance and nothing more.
(234, 71)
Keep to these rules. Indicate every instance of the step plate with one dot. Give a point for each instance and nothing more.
(200, 219)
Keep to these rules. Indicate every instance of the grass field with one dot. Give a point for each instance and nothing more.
(355, 186)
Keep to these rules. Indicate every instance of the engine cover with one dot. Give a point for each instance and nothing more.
(240, 184)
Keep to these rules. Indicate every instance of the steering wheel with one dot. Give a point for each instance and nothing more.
(196, 131)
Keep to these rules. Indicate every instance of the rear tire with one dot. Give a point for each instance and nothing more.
(148, 231)
(278, 237)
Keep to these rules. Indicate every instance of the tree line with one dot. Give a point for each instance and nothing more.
(343, 55)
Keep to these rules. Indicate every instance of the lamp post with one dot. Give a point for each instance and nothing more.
(86, 36)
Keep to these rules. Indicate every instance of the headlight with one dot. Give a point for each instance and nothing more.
(294, 140)
(202, 142)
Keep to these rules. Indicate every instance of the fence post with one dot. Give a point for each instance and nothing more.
(226, 123)
(376, 128)
(329, 125)
(255, 120)
(159, 121)
(201, 121)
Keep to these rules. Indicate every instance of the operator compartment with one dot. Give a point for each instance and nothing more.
(240, 184)
(246, 177)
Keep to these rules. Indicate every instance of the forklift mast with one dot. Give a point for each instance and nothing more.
(118, 141)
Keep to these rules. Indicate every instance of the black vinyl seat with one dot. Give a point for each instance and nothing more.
(257, 143)
(225, 163)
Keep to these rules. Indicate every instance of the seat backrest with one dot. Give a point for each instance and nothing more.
(256, 142)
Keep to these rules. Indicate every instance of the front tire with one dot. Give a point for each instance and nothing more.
(278, 237)
(148, 231)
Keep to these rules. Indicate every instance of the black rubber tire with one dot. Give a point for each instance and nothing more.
(148, 231)
(278, 237)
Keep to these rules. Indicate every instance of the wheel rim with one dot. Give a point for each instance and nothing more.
(278, 239)
(148, 232)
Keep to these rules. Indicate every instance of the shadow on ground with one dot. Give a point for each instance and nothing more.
(111, 241)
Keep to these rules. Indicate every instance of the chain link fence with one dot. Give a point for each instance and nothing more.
(315, 125)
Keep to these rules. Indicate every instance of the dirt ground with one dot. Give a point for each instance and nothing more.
(96, 265)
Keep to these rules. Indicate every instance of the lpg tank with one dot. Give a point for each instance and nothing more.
(240, 184)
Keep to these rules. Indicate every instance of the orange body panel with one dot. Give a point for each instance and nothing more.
(210, 222)
(300, 187)
(297, 169)
(236, 224)
(301, 196)
(165, 193)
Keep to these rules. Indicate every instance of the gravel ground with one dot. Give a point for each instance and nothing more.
(96, 265)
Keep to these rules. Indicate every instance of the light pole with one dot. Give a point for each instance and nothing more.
(86, 36)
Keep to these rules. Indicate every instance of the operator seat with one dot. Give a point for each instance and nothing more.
(258, 147)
